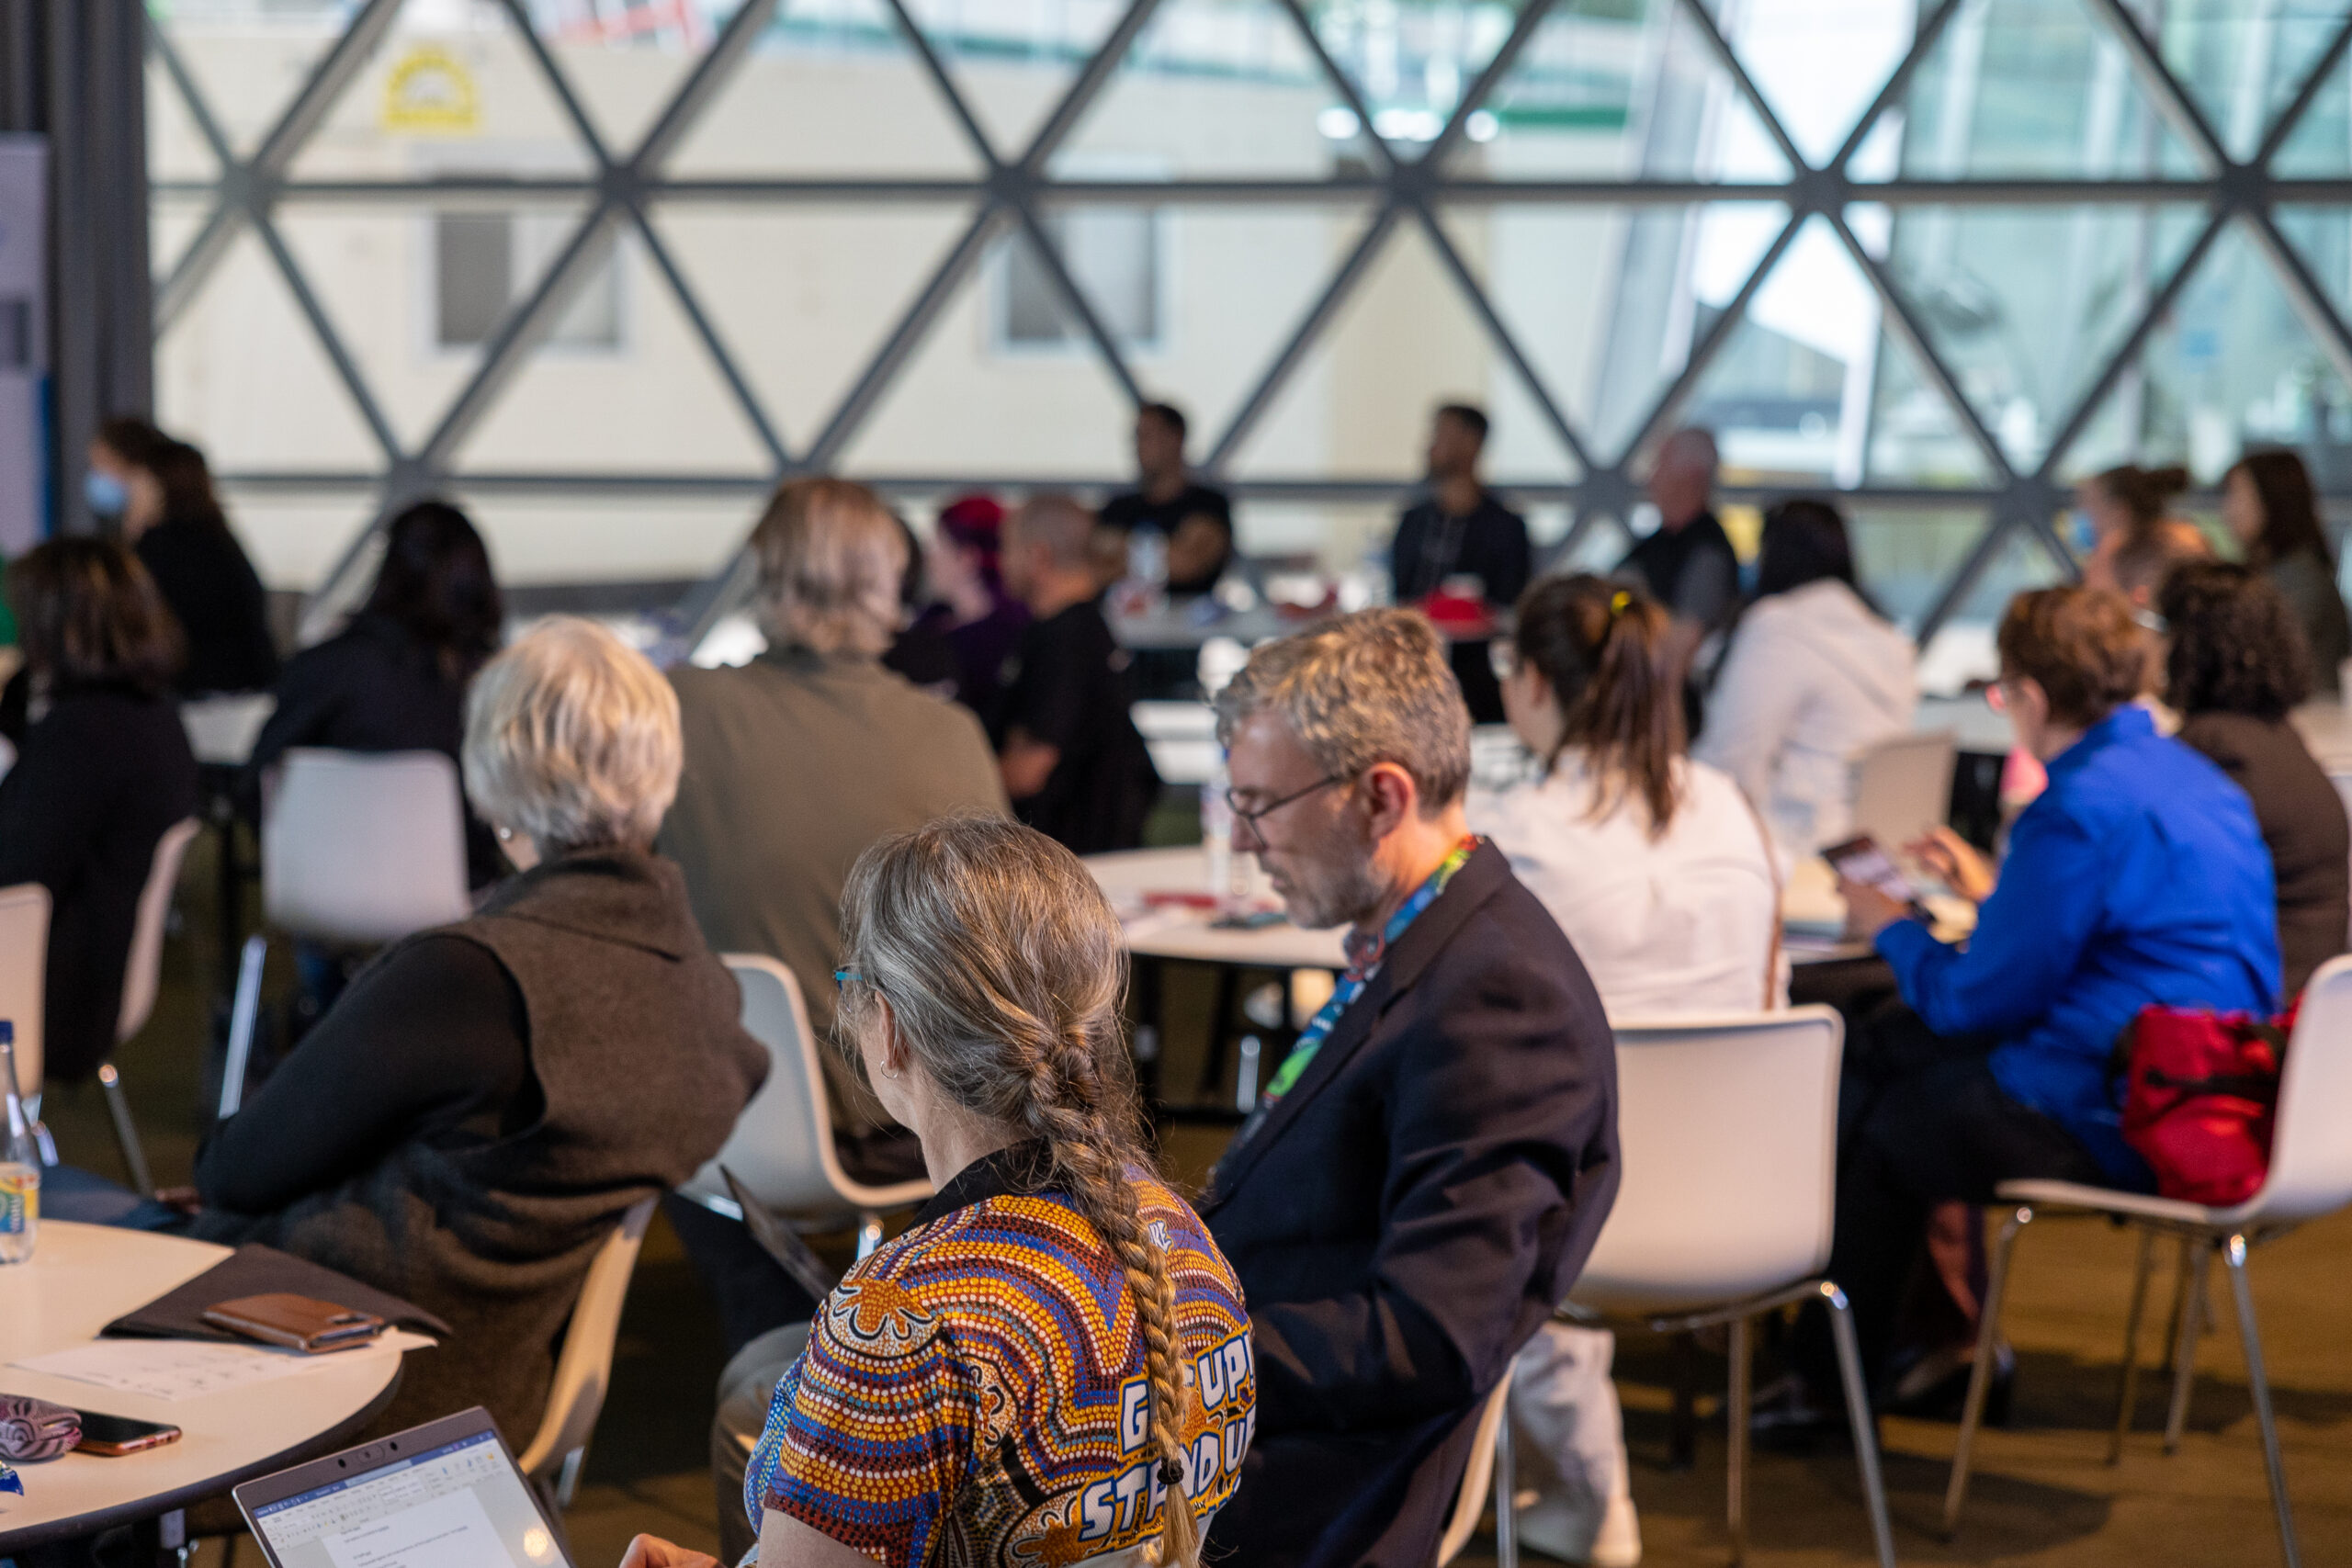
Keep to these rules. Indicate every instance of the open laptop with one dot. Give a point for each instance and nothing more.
(445, 1495)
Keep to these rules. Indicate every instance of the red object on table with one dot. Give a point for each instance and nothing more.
(1461, 617)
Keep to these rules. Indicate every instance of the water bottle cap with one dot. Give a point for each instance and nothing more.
(7, 1031)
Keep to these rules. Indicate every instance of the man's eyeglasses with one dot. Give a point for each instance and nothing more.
(851, 977)
(1251, 815)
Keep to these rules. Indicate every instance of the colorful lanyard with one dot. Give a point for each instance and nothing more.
(1364, 953)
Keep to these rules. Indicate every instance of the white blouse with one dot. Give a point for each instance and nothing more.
(1680, 924)
(1813, 680)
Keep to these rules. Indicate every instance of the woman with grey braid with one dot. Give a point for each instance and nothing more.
(1053, 1364)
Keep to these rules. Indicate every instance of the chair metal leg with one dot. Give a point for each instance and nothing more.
(126, 1132)
(1506, 1496)
(1250, 1052)
(869, 1233)
(2241, 1289)
(242, 1017)
(1682, 1419)
(2179, 1294)
(1979, 1376)
(2130, 1390)
(1858, 1413)
(2195, 1255)
(1736, 1461)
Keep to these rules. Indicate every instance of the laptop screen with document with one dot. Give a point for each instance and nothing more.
(446, 1495)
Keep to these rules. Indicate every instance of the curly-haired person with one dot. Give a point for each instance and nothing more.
(2236, 664)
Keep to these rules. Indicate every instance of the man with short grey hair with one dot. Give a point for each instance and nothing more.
(1688, 564)
(1425, 1174)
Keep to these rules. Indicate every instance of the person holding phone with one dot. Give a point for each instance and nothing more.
(2138, 877)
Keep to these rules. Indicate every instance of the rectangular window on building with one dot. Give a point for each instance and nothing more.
(1114, 257)
(483, 262)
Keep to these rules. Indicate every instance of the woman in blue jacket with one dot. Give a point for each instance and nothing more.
(2139, 877)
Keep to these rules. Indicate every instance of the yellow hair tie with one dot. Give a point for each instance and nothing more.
(1618, 602)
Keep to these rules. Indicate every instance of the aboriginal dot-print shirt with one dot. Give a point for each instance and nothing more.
(973, 1393)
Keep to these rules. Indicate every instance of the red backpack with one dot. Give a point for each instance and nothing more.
(2199, 1106)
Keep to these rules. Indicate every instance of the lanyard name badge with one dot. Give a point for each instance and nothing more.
(1364, 955)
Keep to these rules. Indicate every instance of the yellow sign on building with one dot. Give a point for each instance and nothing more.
(431, 90)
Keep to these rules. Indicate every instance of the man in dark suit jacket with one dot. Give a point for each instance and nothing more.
(1430, 1165)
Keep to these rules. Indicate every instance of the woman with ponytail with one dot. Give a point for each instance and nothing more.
(1661, 876)
(1652, 863)
(1052, 1365)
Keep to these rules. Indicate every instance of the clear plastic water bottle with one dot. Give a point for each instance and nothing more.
(1148, 556)
(19, 1163)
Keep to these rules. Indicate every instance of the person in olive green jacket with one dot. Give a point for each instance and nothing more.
(795, 762)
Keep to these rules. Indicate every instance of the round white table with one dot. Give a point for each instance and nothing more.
(82, 1277)
(1178, 930)
(1810, 908)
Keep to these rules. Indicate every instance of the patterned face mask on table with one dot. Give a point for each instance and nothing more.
(32, 1431)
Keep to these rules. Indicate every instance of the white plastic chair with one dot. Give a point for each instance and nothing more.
(1728, 1129)
(24, 973)
(141, 978)
(1903, 787)
(221, 728)
(1490, 1464)
(781, 1151)
(584, 1368)
(359, 848)
(2310, 1175)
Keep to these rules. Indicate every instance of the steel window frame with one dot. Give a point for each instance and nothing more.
(1408, 188)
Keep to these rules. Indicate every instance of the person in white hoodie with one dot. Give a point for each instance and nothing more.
(1661, 876)
(1815, 676)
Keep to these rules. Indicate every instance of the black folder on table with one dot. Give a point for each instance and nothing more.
(255, 1270)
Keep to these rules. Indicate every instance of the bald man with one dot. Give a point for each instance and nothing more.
(1688, 565)
(1074, 764)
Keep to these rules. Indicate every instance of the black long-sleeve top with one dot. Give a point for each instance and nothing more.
(98, 779)
(203, 575)
(430, 1046)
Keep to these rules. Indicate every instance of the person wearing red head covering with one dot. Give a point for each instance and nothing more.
(980, 621)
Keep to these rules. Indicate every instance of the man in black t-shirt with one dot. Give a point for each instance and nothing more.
(1459, 529)
(1688, 565)
(1074, 764)
(1196, 521)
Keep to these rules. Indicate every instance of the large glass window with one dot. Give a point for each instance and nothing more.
(606, 268)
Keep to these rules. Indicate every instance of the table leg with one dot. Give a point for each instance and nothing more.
(228, 882)
(1148, 1003)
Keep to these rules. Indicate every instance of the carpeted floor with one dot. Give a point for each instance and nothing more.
(2043, 1493)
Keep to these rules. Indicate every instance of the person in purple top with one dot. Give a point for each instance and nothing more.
(979, 619)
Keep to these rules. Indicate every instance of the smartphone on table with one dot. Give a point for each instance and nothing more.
(113, 1435)
(1862, 860)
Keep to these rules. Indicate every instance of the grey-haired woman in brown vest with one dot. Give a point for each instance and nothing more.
(469, 1120)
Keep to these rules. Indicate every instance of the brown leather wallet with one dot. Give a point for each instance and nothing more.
(299, 1323)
